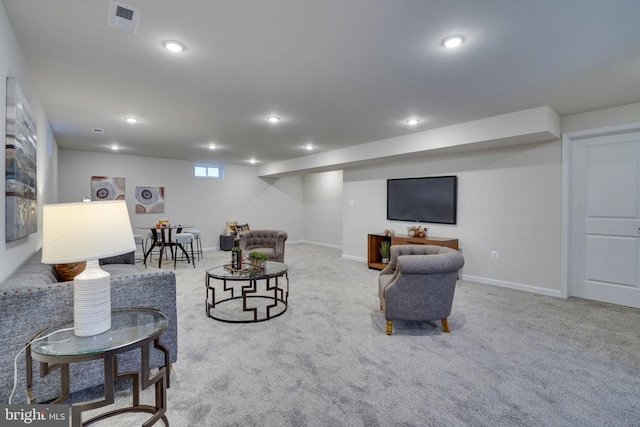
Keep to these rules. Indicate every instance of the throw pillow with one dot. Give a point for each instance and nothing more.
(243, 227)
(230, 227)
(68, 272)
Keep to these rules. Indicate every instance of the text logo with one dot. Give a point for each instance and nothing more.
(34, 415)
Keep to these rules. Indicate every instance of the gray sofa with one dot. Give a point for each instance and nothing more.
(33, 298)
(418, 284)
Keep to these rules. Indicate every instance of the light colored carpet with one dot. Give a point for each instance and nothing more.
(511, 359)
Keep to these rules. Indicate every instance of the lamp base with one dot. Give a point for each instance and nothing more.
(92, 301)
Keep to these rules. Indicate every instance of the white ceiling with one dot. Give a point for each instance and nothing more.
(338, 72)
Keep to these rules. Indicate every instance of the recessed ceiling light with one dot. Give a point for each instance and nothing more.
(252, 161)
(309, 147)
(452, 41)
(273, 119)
(413, 122)
(212, 146)
(173, 46)
(115, 147)
(132, 120)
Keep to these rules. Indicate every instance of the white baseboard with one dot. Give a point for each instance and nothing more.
(307, 242)
(354, 258)
(492, 282)
(288, 242)
(517, 286)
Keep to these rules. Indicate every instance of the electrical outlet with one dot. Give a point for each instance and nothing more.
(494, 254)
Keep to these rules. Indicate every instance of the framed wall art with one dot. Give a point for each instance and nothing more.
(149, 199)
(107, 188)
(21, 209)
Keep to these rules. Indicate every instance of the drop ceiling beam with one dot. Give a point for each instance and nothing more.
(540, 124)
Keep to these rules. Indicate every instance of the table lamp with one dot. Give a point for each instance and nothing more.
(87, 231)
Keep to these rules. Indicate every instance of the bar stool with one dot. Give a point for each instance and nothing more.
(140, 241)
(196, 236)
(183, 239)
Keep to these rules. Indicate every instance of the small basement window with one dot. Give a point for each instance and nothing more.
(204, 170)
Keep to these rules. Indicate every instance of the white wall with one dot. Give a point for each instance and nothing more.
(509, 200)
(322, 208)
(601, 118)
(13, 64)
(201, 202)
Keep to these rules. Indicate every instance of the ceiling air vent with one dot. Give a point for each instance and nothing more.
(123, 17)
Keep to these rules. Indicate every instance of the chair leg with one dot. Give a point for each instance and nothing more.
(445, 325)
(389, 326)
(199, 248)
(193, 260)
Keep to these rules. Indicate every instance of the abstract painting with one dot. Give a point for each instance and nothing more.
(149, 199)
(107, 188)
(21, 213)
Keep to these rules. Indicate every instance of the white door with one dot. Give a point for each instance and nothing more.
(605, 218)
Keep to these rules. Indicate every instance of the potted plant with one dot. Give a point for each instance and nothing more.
(257, 259)
(385, 249)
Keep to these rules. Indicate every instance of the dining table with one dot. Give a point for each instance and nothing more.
(162, 238)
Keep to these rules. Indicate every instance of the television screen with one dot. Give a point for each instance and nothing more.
(429, 199)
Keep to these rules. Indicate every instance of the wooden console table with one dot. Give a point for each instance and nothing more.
(374, 259)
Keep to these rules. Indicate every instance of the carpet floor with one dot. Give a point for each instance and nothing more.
(512, 358)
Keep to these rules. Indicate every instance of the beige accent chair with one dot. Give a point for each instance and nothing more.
(418, 284)
(269, 242)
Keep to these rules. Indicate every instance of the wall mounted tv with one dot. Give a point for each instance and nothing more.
(429, 199)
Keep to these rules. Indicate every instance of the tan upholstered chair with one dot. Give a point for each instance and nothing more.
(418, 283)
(269, 242)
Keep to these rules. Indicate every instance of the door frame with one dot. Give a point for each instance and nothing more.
(568, 142)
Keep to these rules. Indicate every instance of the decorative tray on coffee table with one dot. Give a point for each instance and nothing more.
(245, 269)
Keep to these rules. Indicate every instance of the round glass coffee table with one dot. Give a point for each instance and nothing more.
(248, 295)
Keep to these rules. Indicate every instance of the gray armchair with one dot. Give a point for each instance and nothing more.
(418, 283)
(269, 242)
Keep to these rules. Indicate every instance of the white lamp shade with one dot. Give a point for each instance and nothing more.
(73, 232)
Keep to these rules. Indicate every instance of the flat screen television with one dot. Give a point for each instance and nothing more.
(429, 199)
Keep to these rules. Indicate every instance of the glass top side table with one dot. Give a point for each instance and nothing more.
(131, 329)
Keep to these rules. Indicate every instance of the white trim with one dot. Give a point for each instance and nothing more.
(354, 258)
(604, 131)
(565, 213)
(511, 285)
(567, 156)
(325, 245)
(293, 242)
(288, 242)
